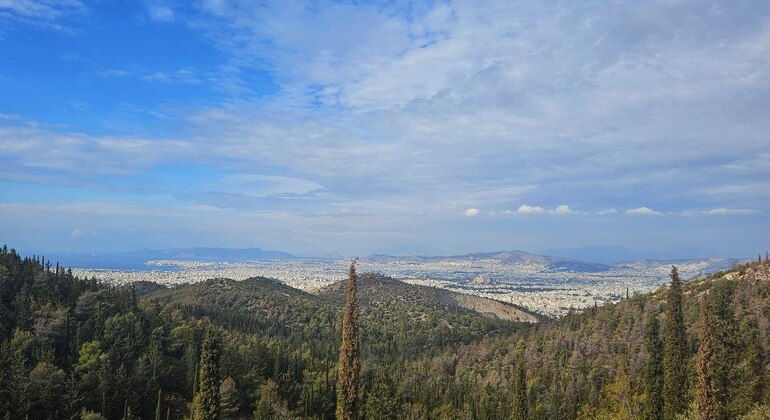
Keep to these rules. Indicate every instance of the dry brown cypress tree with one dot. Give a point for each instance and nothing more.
(675, 360)
(707, 388)
(349, 363)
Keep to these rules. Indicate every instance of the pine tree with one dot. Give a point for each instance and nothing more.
(675, 361)
(228, 397)
(728, 347)
(707, 387)
(269, 404)
(158, 406)
(349, 363)
(206, 401)
(653, 372)
(519, 409)
(755, 361)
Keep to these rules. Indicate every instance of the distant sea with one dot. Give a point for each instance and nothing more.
(97, 263)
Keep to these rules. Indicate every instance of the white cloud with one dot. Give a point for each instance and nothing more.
(722, 212)
(471, 212)
(563, 210)
(459, 102)
(160, 12)
(606, 212)
(525, 209)
(42, 153)
(266, 185)
(40, 12)
(643, 211)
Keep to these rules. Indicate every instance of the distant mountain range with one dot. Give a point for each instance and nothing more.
(137, 259)
(505, 257)
(560, 264)
(607, 254)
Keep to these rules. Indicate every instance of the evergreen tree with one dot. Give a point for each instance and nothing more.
(270, 405)
(756, 366)
(206, 401)
(158, 406)
(653, 371)
(349, 363)
(519, 409)
(228, 397)
(707, 387)
(675, 360)
(727, 345)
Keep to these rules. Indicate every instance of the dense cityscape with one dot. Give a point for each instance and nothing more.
(534, 285)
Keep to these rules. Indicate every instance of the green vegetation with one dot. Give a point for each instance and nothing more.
(349, 366)
(75, 348)
(675, 357)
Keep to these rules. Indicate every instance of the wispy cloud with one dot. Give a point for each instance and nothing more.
(404, 114)
(721, 212)
(183, 75)
(160, 12)
(643, 211)
(42, 13)
(606, 212)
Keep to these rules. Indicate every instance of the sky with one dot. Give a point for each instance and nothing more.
(401, 127)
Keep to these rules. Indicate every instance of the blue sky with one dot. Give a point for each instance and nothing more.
(401, 127)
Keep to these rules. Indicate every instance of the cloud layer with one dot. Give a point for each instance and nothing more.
(424, 114)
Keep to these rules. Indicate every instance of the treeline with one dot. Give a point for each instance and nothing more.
(642, 358)
(76, 348)
(73, 348)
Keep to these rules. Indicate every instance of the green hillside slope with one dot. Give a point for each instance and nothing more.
(70, 346)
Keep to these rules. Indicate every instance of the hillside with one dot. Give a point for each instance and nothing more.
(593, 364)
(394, 315)
(256, 304)
(376, 292)
(70, 344)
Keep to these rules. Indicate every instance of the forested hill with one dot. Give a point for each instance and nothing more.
(608, 362)
(385, 294)
(75, 348)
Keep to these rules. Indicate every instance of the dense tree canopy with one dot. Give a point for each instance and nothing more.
(77, 348)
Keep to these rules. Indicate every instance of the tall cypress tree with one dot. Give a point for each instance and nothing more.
(158, 405)
(519, 409)
(349, 363)
(653, 371)
(675, 361)
(707, 387)
(206, 401)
